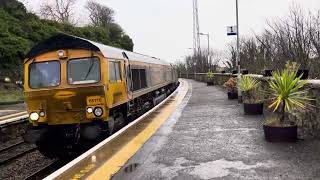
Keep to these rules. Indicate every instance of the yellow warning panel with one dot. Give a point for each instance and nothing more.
(108, 159)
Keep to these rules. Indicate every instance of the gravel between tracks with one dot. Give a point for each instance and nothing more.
(25, 166)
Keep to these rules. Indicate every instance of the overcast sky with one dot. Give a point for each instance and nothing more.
(163, 28)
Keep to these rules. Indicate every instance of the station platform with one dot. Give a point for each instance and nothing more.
(206, 136)
(12, 112)
(209, 137)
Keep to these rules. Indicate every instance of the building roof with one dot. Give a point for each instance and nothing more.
(64, 41)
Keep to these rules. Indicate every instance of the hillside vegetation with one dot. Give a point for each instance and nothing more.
(20, 30)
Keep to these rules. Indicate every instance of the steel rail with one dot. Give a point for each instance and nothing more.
(42, 173)
(16, 156)
(11, 146)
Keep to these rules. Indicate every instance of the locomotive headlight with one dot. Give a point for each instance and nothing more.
(34, 116)
(98, 111)
(89, 110)
(42, 114)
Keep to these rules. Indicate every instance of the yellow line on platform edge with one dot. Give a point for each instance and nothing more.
(114, 164)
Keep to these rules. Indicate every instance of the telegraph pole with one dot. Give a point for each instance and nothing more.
(196, 36)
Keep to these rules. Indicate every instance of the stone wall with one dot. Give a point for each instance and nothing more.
(307, 120)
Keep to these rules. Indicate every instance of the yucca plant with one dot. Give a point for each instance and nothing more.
(248, 83)
(210, 75)
(287, 93)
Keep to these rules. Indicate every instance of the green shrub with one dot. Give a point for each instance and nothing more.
(287, 93)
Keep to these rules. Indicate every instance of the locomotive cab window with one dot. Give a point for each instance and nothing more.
(84, 71)
(44, 74)
(114, 71)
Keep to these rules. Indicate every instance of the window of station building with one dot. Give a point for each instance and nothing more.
(114, 71)
(139, 79)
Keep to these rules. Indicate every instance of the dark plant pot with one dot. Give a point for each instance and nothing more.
(304, 73)
(267, 72)
(210, 83)
(245, 71)
(232, 95)
(234, 72)
(280, 134)
(253, 109)
(223, 72)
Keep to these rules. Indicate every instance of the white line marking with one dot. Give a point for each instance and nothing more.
(15, 119)
(109, 139)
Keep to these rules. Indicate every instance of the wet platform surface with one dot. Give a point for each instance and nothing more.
(208, 137)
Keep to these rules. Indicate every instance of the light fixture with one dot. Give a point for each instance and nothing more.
(62, 54)
(42, 114)
(34, 116)
(98, 111)
(89, 110)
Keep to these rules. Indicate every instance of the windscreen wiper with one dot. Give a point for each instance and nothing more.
(90, 68)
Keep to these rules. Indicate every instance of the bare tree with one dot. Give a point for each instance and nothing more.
(100, 15)
(58, 10)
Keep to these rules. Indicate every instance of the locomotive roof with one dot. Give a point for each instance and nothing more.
(64, 41)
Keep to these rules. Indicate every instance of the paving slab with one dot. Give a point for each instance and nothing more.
(209, 137)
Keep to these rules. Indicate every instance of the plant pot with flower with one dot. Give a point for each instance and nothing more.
(231, 86)
(210, 76)
(287, 93)
(249, 87)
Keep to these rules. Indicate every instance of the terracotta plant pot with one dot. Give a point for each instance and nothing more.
(280, 134)
(210, 83)
(253, 109)
(304, 72)
(232, 95)
(267, 72)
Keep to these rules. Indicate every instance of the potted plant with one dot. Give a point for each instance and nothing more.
(231, 86)
(210, 76)
(249, 89)
(287, 94)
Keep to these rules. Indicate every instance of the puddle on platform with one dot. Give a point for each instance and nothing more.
(131, 167)
(220, 168)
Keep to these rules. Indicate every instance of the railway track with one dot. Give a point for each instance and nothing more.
(48, 169)
(15, 151)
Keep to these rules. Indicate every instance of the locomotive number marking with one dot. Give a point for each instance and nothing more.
(95, 100)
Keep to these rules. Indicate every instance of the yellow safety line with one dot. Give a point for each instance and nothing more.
(12, 115)
(114, 164)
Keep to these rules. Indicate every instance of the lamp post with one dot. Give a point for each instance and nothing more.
(208, 53)
(238, 47)
(195, 70)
